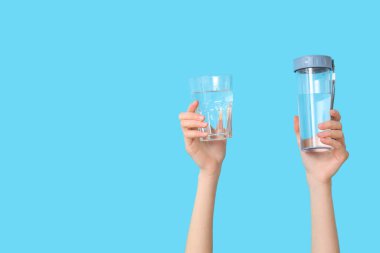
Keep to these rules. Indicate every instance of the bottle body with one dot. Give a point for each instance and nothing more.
(315, 98)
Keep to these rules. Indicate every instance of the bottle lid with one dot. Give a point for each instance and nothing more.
(313, 61)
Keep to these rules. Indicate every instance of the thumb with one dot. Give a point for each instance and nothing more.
(297, 128)
(193, 106)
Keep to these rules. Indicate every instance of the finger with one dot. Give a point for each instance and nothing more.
(331, 142)
(335, 115)
(334, 134)
(331, 124)
(340, 150)
(191, 116)
(193, 106)
(297, 128)
(194, 134)
(193, 124)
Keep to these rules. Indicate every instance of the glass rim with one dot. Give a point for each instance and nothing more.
(202, 77)
(210, 83)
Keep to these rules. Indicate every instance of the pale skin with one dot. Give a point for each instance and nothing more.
(320, 167)
(209, 157)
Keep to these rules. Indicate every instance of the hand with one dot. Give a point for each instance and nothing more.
(208, 155)
(321, 166)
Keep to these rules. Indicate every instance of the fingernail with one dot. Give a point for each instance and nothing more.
(204, 124)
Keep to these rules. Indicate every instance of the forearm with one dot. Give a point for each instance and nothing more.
(200, 232)
(324, 232)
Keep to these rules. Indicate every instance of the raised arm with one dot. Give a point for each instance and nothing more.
(209, 157)
(320, 168)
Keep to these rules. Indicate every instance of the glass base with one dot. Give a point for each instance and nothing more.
(314, 145)
(216, 137)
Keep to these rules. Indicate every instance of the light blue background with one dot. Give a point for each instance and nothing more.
(91, 152)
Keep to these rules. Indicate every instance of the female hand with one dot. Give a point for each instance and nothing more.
(208, 155)
(321, 166)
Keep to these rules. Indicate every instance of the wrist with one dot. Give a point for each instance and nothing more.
(210, 173)
(318, 184)
(210, 169)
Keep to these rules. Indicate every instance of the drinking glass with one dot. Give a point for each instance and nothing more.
(215, 97)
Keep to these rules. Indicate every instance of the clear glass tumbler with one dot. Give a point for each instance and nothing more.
(215, 97)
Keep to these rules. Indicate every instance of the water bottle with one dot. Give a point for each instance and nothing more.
(316, 90)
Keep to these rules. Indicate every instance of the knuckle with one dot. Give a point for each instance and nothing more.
(191, 134)
(190, 116)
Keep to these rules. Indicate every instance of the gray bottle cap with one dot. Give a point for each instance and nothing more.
(313, 61)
